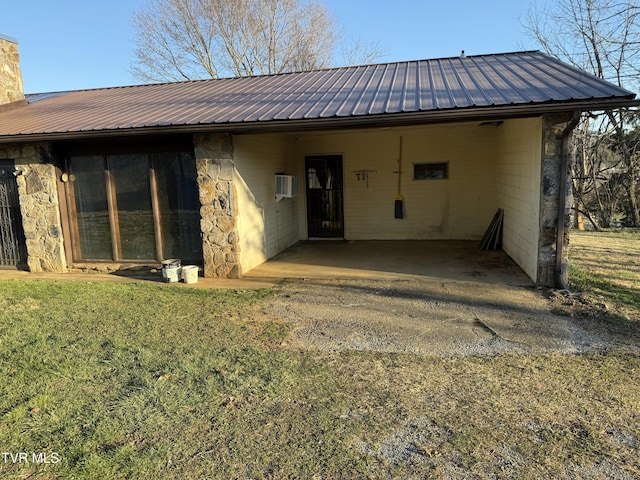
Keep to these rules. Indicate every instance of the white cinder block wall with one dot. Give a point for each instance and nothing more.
(489, 167)
(458, 208)
(265, 227)
(518, 189)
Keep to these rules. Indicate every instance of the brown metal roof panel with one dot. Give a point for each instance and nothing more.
(343, 100)
(557, 86)
(558, 83)
(208, 105)
(280, 98)
(395, 96)
(491, 83)
(516, 88)
(382, 91)
(250, 104)
(542, 86)
(295, 97)
(478, 89)
(252, 98)
(202, 100)
(584, 84)
(174, 106)
(430, 85)
(293, 91)
(411, 97)
(389, 95)
(440, 87)
(426, 99)
(356, 98)
(315, 104)
(366, 96)
(508, 84)
(458, 92)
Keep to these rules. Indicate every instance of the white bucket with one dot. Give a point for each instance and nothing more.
(190, 274)
(170, 263)
(171, 274)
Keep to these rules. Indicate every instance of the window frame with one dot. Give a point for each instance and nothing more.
(109, 185)
(430, 167)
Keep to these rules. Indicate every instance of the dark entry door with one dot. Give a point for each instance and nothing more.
(325, 216)
(13, 252)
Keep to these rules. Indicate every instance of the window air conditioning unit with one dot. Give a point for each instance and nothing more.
(286, 186)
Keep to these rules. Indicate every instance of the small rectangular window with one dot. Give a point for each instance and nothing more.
(431, 171)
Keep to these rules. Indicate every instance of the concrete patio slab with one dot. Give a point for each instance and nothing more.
(393, 260)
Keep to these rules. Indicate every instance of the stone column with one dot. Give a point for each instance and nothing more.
(218, 213)
(39, 206)
(553, 127)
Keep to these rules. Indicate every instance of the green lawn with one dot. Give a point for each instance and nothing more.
(607, 265)
(118, 381)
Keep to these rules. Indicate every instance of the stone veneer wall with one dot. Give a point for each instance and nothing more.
(39, 205)
(11, 89)
(218, 211)
(553, 127)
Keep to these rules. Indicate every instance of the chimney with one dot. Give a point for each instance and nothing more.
(11, 89)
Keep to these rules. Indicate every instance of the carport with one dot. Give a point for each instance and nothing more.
(393, 260)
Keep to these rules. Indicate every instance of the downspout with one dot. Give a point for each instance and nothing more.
(562, 200)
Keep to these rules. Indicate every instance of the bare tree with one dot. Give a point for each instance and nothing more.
(356, 51)
(602, 37)
(195, 39)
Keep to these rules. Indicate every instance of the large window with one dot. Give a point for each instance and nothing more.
(134, 207)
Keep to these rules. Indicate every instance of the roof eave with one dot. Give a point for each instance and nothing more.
(330, 123)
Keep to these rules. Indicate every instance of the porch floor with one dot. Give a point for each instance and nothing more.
(371, 260)
(393, 259)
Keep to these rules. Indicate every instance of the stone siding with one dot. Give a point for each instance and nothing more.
(553, 128)
(218, 210)
(11, 89)
(39, 205)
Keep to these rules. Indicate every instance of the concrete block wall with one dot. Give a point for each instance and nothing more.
(518, 172)
(460, 207)
(266, 227)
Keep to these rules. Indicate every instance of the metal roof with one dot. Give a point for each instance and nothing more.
(510, 84)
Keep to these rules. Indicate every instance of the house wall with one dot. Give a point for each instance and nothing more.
(265, 227)
(39, 205)
(458, 208)
(518, 174)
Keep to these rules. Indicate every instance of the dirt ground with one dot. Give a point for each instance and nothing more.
(437, 317)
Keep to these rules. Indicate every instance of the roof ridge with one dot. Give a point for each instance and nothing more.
(298, 72)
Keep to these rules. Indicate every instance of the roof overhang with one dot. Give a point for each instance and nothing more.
(353, 122)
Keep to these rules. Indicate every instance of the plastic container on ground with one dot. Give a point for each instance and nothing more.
(171, 270)
(190, 273)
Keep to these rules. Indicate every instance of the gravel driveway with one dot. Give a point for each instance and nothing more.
(427, 316)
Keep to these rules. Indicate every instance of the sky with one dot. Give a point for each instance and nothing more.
(82, 44)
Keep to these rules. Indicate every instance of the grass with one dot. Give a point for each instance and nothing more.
(606, 265)
(139, 381)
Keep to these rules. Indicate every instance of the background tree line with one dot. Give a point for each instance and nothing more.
(601, 37)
